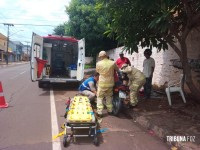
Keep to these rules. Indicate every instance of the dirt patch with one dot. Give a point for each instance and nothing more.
(178, 120)
(191, 109)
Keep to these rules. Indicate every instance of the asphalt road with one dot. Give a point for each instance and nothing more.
(35, 115)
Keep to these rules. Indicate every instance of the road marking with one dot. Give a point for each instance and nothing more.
(22, 72)
(14, 76)
(56, 145)
(18, 75)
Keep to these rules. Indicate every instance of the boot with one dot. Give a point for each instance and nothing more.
(99, 118)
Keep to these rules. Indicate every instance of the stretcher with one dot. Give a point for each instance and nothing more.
(80, 116)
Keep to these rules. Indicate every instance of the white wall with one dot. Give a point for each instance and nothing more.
(162, 61)
(164, 70)
(88, 60)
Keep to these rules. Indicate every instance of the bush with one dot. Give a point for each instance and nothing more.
(89, 66)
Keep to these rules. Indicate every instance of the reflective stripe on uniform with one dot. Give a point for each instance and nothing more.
(100, 106)
(85, 86)
(106, 84)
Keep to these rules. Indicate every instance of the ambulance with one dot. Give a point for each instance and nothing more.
(57, 59)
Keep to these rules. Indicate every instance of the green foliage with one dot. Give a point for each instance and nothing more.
(85, 21)
(87, 66)
(60, 30)
(131, 23)
(153, 23)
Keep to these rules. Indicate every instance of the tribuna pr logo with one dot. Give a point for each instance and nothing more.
(180, 138)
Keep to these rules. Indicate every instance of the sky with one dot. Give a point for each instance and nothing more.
(49, 13)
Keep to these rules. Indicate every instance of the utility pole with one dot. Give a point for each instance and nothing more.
(27, 49)
(8, 34)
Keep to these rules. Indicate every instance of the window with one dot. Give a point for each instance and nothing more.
(37, 49)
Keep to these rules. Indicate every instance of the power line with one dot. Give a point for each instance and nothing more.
(31, 24)
(20, 36)
(58, 18)
(22, 10)
(7, 24)
(53, 20)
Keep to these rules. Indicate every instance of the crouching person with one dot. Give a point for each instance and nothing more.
(88, 87)
(136, 81)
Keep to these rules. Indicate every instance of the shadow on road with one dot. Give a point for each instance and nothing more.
(61, 87)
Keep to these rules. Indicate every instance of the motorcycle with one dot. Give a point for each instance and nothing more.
(121, 98)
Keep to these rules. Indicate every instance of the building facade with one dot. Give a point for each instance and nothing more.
(18, 50)
(3, 47)
(15, 50)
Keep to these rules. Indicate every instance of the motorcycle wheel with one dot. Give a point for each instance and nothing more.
(117, 104)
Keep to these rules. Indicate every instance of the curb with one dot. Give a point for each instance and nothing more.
(12, 64)
(161, 132)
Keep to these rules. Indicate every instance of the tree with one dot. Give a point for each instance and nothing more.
(60, 30)
(85, 21)
(155, 23)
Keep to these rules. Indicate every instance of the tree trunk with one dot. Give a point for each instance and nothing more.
(187, 71)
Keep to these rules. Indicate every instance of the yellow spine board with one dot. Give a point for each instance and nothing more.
(80, 110)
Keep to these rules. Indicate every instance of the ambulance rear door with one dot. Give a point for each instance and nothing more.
(81, 59)
(36, 51)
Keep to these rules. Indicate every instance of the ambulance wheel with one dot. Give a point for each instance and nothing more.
(96, 141)
(40, 84)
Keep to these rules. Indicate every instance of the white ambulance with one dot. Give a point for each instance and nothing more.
(61, 59)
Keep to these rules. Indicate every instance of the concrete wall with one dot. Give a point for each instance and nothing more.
(88, 60)
(164, 70)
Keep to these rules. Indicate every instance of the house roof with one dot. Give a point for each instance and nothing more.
(3, 37)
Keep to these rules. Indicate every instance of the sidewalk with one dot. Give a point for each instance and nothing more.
(3, 64)
(159, 119)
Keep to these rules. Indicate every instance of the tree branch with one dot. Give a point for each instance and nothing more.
(196, 20)
(176, 49)
(188, 9)
(175, 33)
(186, 32)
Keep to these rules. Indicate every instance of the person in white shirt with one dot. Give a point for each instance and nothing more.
(148, 69)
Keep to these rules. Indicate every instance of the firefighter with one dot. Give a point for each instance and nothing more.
(136, 81)
(105, 68)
